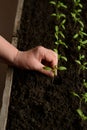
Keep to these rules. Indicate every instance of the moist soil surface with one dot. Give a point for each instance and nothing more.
(39, 102)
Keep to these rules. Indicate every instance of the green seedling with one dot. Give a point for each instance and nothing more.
(62, 68)
(80, 38)
(84, 83)
(81, 114)
(82, 65)
(81, 98)
(58, 4)
(54, 70)
(59, 27)
(77, 12)
(58, 33)
(62, 57)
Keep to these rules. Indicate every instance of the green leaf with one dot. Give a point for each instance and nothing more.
(56, 28)
(78, 1)
(81, 33)
(55, 50)
(83, 42)
(52, 2)
(81, 23)
(64, 58)
(62, 68)
(75, 94)
(83, 67)
(60, 32)
(82, 29)
(63, 43)
(77, 61)
(60, 4)
(85, 83)
(74, 1)
(54, 70)
(73, 15)
(80, 5)
(84, 96)
(76, 35)
(79, 10)
(47, 68)
(53, 14)
(85, 34)
(85, 63)
(81, 114)
(63, 26)
(56, 36)
(60, 15)
(81, 57)
(79, 48)
(56, 43)
(63, 22)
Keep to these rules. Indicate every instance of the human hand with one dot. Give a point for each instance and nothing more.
(36, 59)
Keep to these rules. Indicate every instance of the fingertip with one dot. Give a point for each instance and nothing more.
(48, 73)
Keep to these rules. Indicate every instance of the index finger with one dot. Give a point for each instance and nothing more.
(51, 57)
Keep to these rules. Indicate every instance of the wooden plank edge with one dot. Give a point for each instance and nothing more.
(9, 75)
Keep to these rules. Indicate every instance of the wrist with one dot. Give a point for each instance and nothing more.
(16, 60)
(7, 51)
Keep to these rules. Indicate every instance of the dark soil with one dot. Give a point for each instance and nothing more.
(37, 101)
